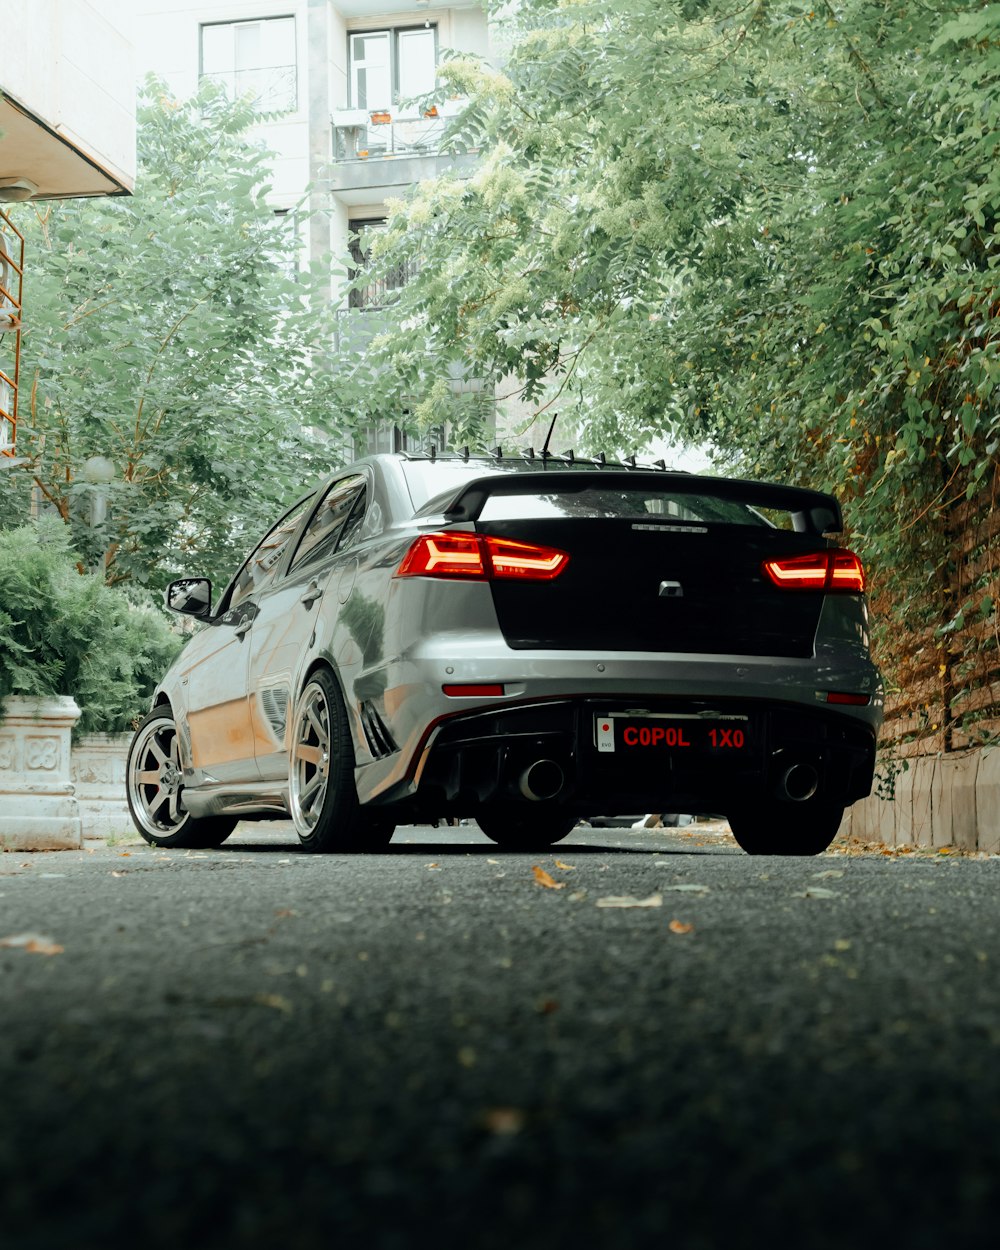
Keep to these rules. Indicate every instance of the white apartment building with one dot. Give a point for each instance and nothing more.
(339, 80)
(67, 129)
(341, 83)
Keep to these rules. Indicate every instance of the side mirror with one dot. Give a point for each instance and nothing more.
(191, 596)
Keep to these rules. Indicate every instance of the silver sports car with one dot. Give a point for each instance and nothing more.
(523, 640)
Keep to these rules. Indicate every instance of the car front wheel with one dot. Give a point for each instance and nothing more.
(783, 829)
(154, 786)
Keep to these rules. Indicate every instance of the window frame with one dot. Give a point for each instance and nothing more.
(393, 32)
(232, 24)
(226, 604)
(295, 564)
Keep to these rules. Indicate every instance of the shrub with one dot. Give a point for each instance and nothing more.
(63, 632)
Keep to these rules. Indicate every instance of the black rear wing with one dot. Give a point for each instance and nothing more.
(812, 511)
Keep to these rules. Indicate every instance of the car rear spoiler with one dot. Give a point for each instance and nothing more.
(812, 511)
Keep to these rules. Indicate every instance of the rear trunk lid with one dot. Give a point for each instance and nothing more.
(658, 562)
(657, 587)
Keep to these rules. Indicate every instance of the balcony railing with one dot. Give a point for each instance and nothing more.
(379, 292)
(363, 136)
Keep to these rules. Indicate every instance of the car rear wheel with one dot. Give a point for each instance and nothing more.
(520, 828)
(323, 798)
(154, 786)
(802, 829)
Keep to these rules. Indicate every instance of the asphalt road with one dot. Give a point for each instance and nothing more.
(256, 1048)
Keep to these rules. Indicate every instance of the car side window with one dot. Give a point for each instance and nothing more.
(259, 568)
(335, 522)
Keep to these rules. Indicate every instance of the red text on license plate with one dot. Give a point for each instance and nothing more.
(613, 733)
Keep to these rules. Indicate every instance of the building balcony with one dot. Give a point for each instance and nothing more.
(384, 150)
(359, 135)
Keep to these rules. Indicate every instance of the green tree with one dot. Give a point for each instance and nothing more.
(169, 334)
(66, 634)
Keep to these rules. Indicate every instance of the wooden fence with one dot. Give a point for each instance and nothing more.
(944, 680)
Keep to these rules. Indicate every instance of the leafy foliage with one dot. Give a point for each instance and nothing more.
(66, 634)
(771, 228)
(169, 333)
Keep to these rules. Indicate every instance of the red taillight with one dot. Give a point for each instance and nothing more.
(452, 553)
(834, 569)
(444, 555)
(524, 560)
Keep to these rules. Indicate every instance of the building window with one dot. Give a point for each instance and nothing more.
(376, 293)
(389, 66)
(253, 59)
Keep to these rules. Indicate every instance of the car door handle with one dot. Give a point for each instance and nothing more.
(243, 628)
(311, 593)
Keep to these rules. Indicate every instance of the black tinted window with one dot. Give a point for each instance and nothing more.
(341, 503)
(259, 569)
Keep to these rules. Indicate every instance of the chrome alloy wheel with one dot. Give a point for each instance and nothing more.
(309, 775)
(155, 779)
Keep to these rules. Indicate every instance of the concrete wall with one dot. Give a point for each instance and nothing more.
(940, 801)
(68, 63)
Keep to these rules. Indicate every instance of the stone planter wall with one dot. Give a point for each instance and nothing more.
(940, 801)
(98, 771)
(38, 807)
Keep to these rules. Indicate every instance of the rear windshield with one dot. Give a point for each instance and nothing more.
(430, 481)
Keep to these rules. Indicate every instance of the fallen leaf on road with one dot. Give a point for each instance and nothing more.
(543, 878)
(503, 1121)
(34, 943)
(627, 900)
(432, 865)
(816, 891)
(281, 912)
(273, 1000)
(118, 874)
(565, 867)
(493, 861)
(678, 926)
(830, 872)
(691, 889)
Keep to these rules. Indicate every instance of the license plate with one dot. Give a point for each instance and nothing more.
(658, 733)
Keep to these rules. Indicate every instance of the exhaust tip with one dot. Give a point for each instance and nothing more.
(799, 783)
(541, 780)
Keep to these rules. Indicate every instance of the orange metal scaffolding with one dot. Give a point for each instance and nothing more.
(11, 278)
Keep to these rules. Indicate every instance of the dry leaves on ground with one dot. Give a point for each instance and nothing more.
(542, 878)
(33, 943)
(627, 900)
(679, 926)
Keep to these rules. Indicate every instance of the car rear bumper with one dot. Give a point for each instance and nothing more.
(459, 752)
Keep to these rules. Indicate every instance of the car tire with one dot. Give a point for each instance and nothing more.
(322, 796)
(154, 785)
(520, 828)
(802, 829)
